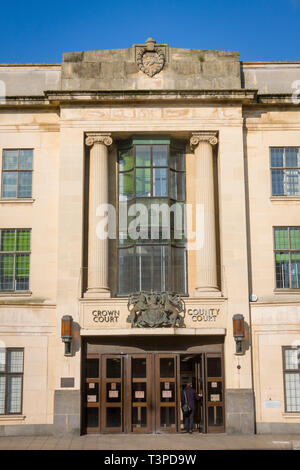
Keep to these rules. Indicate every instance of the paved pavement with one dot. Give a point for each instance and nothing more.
(113, 442)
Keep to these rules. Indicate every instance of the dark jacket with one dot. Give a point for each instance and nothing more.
(191, 396)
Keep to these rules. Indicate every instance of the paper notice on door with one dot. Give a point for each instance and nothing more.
(167, 385)
(91, 385)
(113, 394)
(92, 398)
(167, 393)
(214, 384)
(139, 394)
(113, 386)
(215, 397)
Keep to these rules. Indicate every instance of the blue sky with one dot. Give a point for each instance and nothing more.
(40, 31)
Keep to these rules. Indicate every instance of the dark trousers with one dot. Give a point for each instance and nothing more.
(189, 421)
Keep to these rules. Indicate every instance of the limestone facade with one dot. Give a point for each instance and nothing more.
(229, 114)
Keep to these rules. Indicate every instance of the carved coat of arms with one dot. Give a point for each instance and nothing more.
(156, 310)
(150, 59)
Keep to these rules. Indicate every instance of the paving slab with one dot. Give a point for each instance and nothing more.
(113, 442)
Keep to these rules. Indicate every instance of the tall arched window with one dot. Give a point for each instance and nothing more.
(152, 252)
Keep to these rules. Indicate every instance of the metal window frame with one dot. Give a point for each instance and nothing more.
(18, 170)
(289, 251)
(7, 374)
(289, 371)
(15, 253)
(284, 169)
(171, 244)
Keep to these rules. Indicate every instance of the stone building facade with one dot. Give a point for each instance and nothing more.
(98, 132)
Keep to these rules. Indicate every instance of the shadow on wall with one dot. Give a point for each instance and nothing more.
(76, 338)
(247, 340)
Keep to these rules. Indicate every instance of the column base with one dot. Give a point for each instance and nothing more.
(207, 292)
(97, 293)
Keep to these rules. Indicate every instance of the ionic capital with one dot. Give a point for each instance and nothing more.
(97, 138)
(204, 136)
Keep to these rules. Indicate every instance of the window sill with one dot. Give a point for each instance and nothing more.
(16, 200)
(285, 198)
(287, 291)
(12, 417)
(292, 414)
(15, 294)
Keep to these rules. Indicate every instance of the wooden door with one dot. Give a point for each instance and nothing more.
(139, 398)
(214, 393)
(112, 389)
(91, 394)
(167, 405)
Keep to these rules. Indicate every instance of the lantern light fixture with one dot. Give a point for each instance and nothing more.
(66, 333)
(239, 332)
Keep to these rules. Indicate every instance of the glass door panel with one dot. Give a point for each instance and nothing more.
(199, 417)
(112, 394)
(215, 393)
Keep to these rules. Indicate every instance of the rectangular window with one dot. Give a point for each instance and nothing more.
(285, 171)
(11, 380)
(287, 257)
(291, 372)
(17, 173)
(14, 259)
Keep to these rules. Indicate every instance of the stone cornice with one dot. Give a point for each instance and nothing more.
(56, 98)
(132, 96)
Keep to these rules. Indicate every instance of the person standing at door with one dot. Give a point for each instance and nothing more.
(189, 396)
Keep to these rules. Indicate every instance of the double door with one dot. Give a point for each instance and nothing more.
(141, 393)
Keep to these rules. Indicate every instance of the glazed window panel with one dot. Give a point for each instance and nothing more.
(287, 257)
(285, 171)
(11, 380)
(126, 272)
(151, 175)
(160, 155)
(291, 370)
(14, 259)
(17, 168)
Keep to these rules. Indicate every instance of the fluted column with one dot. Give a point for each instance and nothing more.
(206, 256)
(98, 195)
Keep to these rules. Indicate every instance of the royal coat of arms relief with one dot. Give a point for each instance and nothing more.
(150, 58)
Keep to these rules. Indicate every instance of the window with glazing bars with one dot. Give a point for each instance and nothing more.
(285, 171)
(17, 173)
(287, 257)
(11, 380)
(291, 372)
(14, 259)
(152, 175)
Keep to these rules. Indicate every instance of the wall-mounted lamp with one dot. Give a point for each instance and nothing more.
(66, 333)
(238, 332)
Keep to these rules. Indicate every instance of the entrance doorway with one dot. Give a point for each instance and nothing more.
(141, 393)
